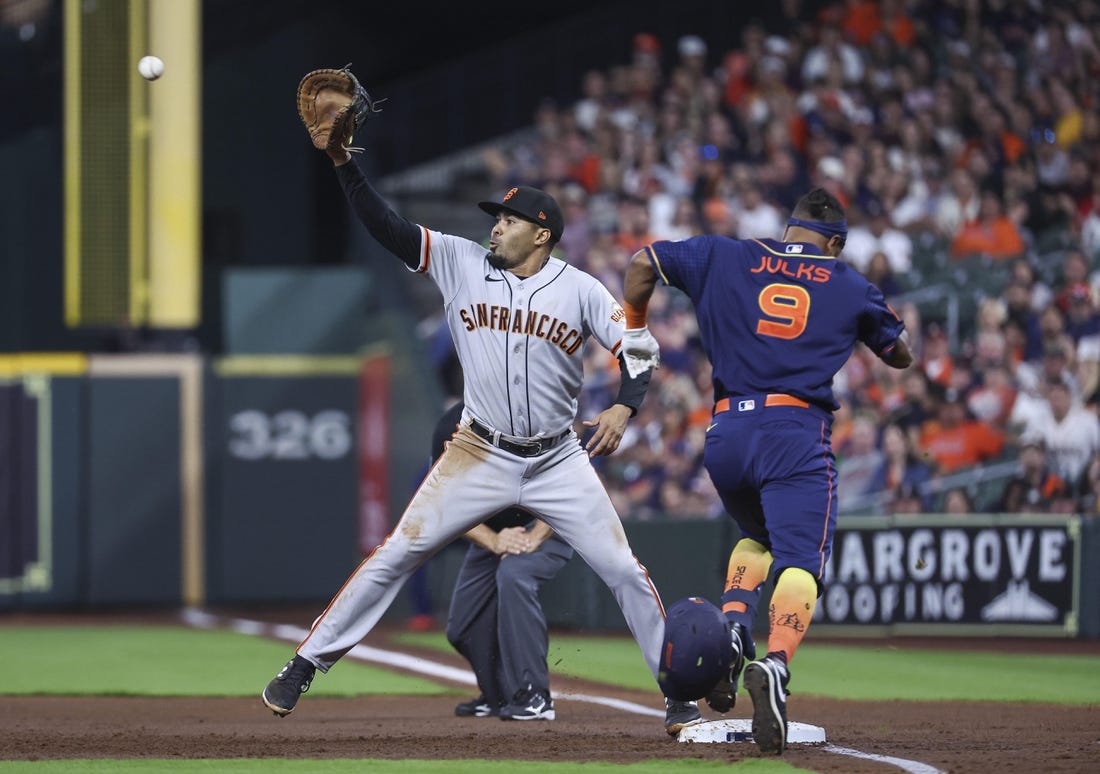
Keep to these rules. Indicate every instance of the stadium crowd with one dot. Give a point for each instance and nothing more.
(963, 138)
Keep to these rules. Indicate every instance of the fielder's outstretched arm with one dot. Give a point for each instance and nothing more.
(397, 234)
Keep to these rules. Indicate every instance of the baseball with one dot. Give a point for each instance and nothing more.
(151, 67)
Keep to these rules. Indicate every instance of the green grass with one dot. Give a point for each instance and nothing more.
(877, 674)
(340, 766)
(169, 661)
(861, 671)
(611, 660)
(174, 661)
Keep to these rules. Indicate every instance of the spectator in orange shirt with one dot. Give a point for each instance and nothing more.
(896, 23)
(956, 440)
(1035, 488)
(1001, 146)
(861, 21)
(993, 233)
(633, 233)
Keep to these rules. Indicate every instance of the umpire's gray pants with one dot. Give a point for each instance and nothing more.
(496, 620)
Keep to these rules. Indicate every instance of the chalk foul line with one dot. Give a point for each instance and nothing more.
(201, 619)
(913, 767)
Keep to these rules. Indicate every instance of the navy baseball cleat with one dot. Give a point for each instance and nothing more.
(529, 704)
(477, 708)
(766, 681)
(679, 715)
(723, 695)
(282, 693)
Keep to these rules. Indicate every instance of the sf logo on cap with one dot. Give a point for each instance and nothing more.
(509, 195)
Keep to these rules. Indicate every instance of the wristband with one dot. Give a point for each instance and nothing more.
(635, 315)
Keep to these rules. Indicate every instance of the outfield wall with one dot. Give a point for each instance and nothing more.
(172, 480)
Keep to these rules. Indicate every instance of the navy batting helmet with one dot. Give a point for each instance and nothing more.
(696, 651)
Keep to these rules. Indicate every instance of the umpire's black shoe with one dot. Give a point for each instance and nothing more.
(477, 708)
(679, 715)
(766, 681)
(282, 693)
(723, 695)
(529, 703)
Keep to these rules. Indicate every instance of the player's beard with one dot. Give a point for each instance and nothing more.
(498, 261)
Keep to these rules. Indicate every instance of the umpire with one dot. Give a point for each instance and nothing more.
(496, 621)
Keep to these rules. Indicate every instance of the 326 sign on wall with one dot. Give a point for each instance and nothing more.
(290, 435)
(286, 456)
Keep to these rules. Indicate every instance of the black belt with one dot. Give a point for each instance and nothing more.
(532, 449)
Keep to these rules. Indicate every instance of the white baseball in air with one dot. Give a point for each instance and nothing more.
(151, 67)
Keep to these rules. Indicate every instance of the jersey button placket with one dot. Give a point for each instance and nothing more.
(518, 370)
(521, 424)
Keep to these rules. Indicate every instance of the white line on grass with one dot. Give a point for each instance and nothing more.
(200, 619)
(913, 767)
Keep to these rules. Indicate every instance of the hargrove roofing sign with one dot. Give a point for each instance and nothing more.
(964, 572)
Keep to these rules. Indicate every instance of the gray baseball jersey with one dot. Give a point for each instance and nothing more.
(523, 337)
(520, 343)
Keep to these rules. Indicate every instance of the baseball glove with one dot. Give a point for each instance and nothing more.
(333, 105)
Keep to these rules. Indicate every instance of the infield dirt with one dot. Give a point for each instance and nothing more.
(953, 737)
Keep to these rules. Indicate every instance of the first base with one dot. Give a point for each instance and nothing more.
(740, 730)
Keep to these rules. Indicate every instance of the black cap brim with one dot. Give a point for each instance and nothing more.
(495, 208)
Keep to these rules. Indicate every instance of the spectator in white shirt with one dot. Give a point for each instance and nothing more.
(1088, 366)
(877, 235)
(756, 217)
(1070, 431)
(832, 48)
(958, 206)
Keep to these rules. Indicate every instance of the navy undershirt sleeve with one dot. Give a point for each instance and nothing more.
(394, 232)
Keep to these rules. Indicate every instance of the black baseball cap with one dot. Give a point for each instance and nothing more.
(532, 204)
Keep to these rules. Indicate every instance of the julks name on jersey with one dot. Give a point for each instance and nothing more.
(807, 271)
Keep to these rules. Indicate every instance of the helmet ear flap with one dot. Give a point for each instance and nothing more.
(695, 653)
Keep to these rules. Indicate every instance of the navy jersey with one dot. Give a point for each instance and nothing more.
(776, 316)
